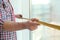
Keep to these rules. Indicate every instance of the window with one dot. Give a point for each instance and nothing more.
(41, 10)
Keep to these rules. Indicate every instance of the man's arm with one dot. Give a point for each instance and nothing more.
(13, 26)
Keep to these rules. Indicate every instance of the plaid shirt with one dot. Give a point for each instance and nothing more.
(6, 13)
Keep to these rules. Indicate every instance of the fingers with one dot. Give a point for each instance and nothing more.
(18, 16)
(32, 25)
(33, 28)
(34, 19)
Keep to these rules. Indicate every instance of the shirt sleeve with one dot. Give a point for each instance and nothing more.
(13, 15)
(1, 21)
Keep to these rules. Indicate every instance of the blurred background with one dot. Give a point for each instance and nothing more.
(44, 10)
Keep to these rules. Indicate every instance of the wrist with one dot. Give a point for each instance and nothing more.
(26, 25)
(22, 25)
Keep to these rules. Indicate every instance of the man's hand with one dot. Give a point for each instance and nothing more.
(33, 24)
(35, 20)
(18, 16)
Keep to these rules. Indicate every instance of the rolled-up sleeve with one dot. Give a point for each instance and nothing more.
(1, 22)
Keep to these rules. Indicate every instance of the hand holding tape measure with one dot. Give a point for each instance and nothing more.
(40, 22)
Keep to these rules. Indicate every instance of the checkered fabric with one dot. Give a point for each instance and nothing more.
(6, 13)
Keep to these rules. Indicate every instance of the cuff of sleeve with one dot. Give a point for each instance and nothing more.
(1, 22)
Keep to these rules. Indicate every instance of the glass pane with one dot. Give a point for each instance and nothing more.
(46, 11)
(41, 9)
